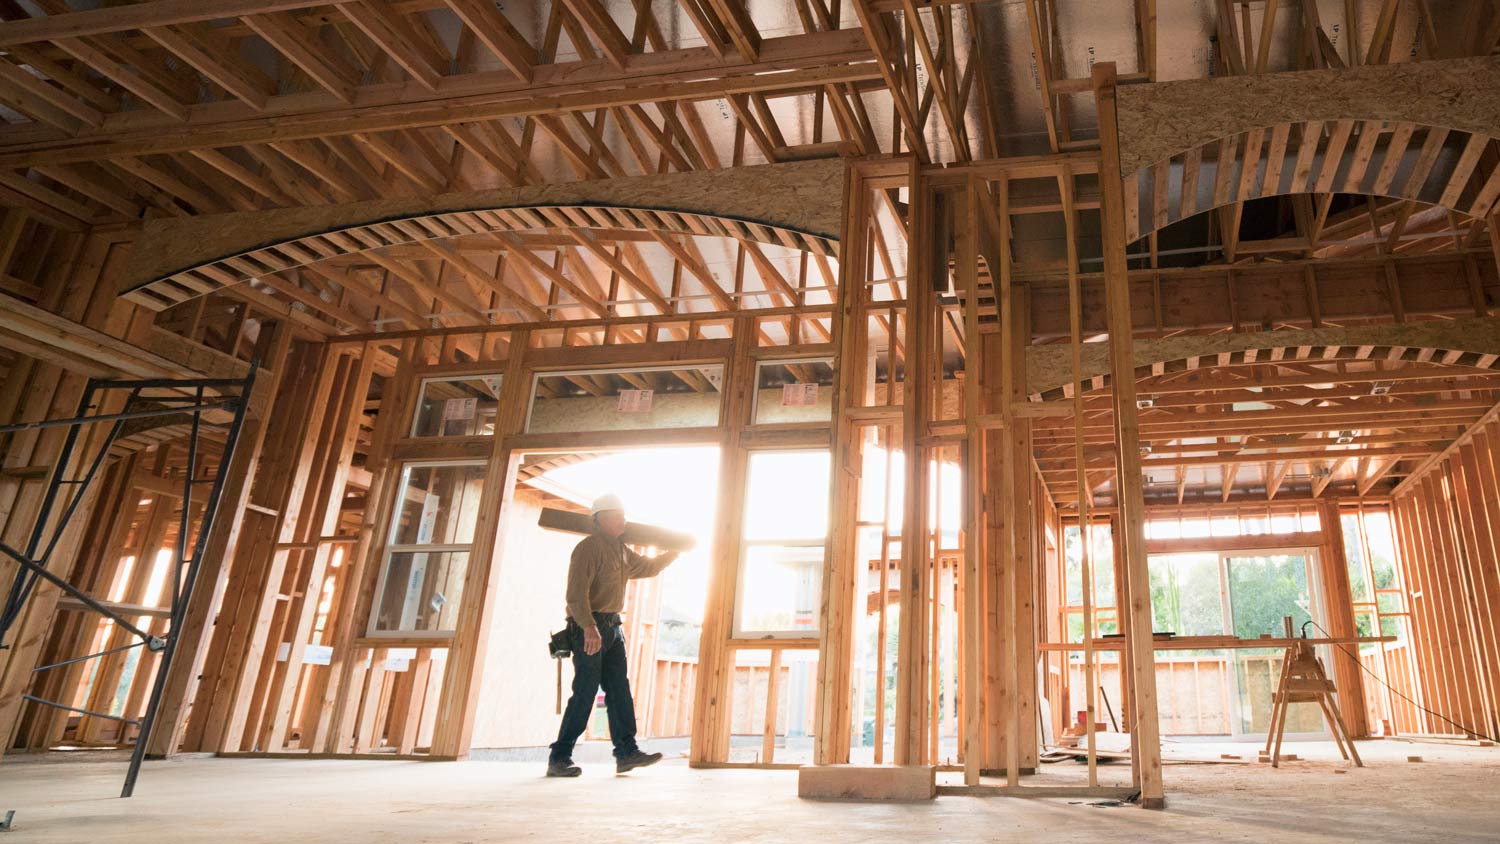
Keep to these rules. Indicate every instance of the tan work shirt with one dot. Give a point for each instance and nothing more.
(598, 573)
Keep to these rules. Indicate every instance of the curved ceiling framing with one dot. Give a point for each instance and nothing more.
(1421, 132)
(205, 278)
(794, 205)
(1404, 161)
(1473, 343)
(1161, 120)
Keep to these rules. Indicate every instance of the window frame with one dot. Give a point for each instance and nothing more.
(760, 363)
(389, 548)
(538, 374)
(424, 380)
(743, 554)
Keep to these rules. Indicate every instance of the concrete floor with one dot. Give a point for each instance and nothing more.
(1452, 796)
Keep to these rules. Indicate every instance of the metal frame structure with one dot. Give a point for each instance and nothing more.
(147, 398)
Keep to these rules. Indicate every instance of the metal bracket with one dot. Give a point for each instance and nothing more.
(156, 643)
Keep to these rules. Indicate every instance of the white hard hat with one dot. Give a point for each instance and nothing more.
(606, 502)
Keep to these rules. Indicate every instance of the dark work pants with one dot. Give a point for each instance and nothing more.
(605, 669)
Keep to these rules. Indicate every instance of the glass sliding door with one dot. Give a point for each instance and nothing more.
(1262, 590)
(1187, 599)
(1244, 594)
(1265, 588)
(1186, 594)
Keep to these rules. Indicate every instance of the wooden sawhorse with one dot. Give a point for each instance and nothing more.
(1303, 681)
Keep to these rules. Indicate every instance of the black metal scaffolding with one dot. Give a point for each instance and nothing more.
(147, 398)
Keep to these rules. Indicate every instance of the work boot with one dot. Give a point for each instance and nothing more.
(636, 759)
(562, 768)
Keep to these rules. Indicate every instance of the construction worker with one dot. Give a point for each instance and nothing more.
(597, 576)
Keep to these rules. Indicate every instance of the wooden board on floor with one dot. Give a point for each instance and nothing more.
(903, 783)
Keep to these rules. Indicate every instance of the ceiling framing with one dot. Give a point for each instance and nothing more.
(117, 113)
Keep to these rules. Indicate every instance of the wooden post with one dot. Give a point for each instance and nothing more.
(929, 258)
(459, 698)
(1010, 503)
(882, 622)
(1145, 734)
(1085, 495)
(842, 571)
(711, 710)
(1026, 509)
(1339, 610)
(992, 564)
(773, 681)
(971, 644)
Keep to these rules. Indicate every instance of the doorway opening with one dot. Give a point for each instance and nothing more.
(522, 690)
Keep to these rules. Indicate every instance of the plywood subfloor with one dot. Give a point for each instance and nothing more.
(1453, 796)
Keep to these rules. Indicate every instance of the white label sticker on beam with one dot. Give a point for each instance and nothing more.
(399, 659)
(634, 401)
(799, 395)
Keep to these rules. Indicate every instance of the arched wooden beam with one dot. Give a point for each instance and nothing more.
(1473, 343)
(797, 205)
(1404, 161)
(1439, 117)
(1160, 120)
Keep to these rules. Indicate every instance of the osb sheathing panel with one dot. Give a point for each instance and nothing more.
(1160, 120)
(1049, 368)
(802, 196)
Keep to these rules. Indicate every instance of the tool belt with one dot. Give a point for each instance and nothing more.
(560, 646)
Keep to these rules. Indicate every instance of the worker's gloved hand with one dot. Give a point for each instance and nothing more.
(591, 641)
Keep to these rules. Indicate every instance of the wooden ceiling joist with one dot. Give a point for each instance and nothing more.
(672, 76)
